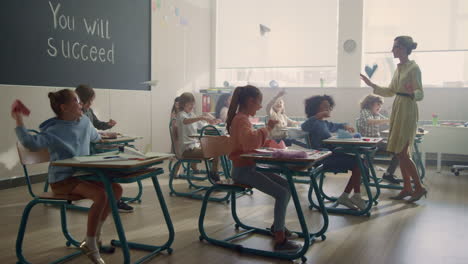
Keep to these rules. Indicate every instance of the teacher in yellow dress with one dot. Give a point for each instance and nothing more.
(407, 86)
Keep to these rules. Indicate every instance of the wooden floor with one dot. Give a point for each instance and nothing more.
(435, 230)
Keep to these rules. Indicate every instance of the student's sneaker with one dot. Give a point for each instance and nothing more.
(390, 178)
(287, 233)
(287, 246)
(214, 177)
(357, 200)
(124, 207)
(344, 200)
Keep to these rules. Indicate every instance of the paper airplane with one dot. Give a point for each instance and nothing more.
(264, 29)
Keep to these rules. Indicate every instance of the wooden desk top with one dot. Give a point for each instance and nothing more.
(353, 141)
(118, 164)
(290, 128)
(386, 132)
(313, 156)
(117, 140)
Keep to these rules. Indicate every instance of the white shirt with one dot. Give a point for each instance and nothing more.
(223, 114)
(185, 131)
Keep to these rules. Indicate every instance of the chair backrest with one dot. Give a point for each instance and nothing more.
(215, 146)
(209, 130)
(29, 157)
(174, 138)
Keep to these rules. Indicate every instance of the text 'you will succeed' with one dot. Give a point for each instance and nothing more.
(74, 50)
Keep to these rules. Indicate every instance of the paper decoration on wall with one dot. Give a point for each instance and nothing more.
(153, 6)
(158, 4)
(370, 71)
(176, 11)
(264, 29)
(274, 84)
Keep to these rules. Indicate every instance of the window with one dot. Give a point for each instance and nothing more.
(439, 28)
(297, 47)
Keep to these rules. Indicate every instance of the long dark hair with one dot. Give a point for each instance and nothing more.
(184, 99)
(220, 104)
(85, 93)
(239, 100)
(312, 104)
(174, 108)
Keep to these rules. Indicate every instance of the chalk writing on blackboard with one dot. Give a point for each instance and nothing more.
(70, 49)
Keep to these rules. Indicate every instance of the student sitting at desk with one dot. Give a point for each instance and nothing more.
(276, 111)
(246, 101)
(222, 106)
(317, 109)
(65, 136)
(368, 125)
(87, 96)
(187, 125)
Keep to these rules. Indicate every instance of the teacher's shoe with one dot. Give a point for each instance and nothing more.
(401, 195)
(418, 195)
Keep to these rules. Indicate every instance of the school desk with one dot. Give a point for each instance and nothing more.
(446, 139)
(290, 168)
(106, 145)
(127, 171)
(358, 147)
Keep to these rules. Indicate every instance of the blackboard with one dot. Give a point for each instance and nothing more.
(103, 43)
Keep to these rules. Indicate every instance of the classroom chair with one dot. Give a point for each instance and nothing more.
(366, 154)
(28, 157)
(218, 146)
(185, 164)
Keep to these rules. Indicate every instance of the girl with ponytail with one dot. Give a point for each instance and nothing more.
(65, 136)
(245, 102)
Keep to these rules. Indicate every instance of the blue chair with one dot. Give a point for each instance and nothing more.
(28, 157)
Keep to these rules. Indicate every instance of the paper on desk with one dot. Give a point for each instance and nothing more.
(344, 139)
(115, 157)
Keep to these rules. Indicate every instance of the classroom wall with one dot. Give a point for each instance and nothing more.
(181, 47)
(448, 103)
(181, 61)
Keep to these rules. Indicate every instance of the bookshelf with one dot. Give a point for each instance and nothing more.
(210, 97)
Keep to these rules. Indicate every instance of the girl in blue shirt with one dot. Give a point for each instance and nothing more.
(67, 135)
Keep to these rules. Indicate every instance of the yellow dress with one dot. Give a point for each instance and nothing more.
(407, 86)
